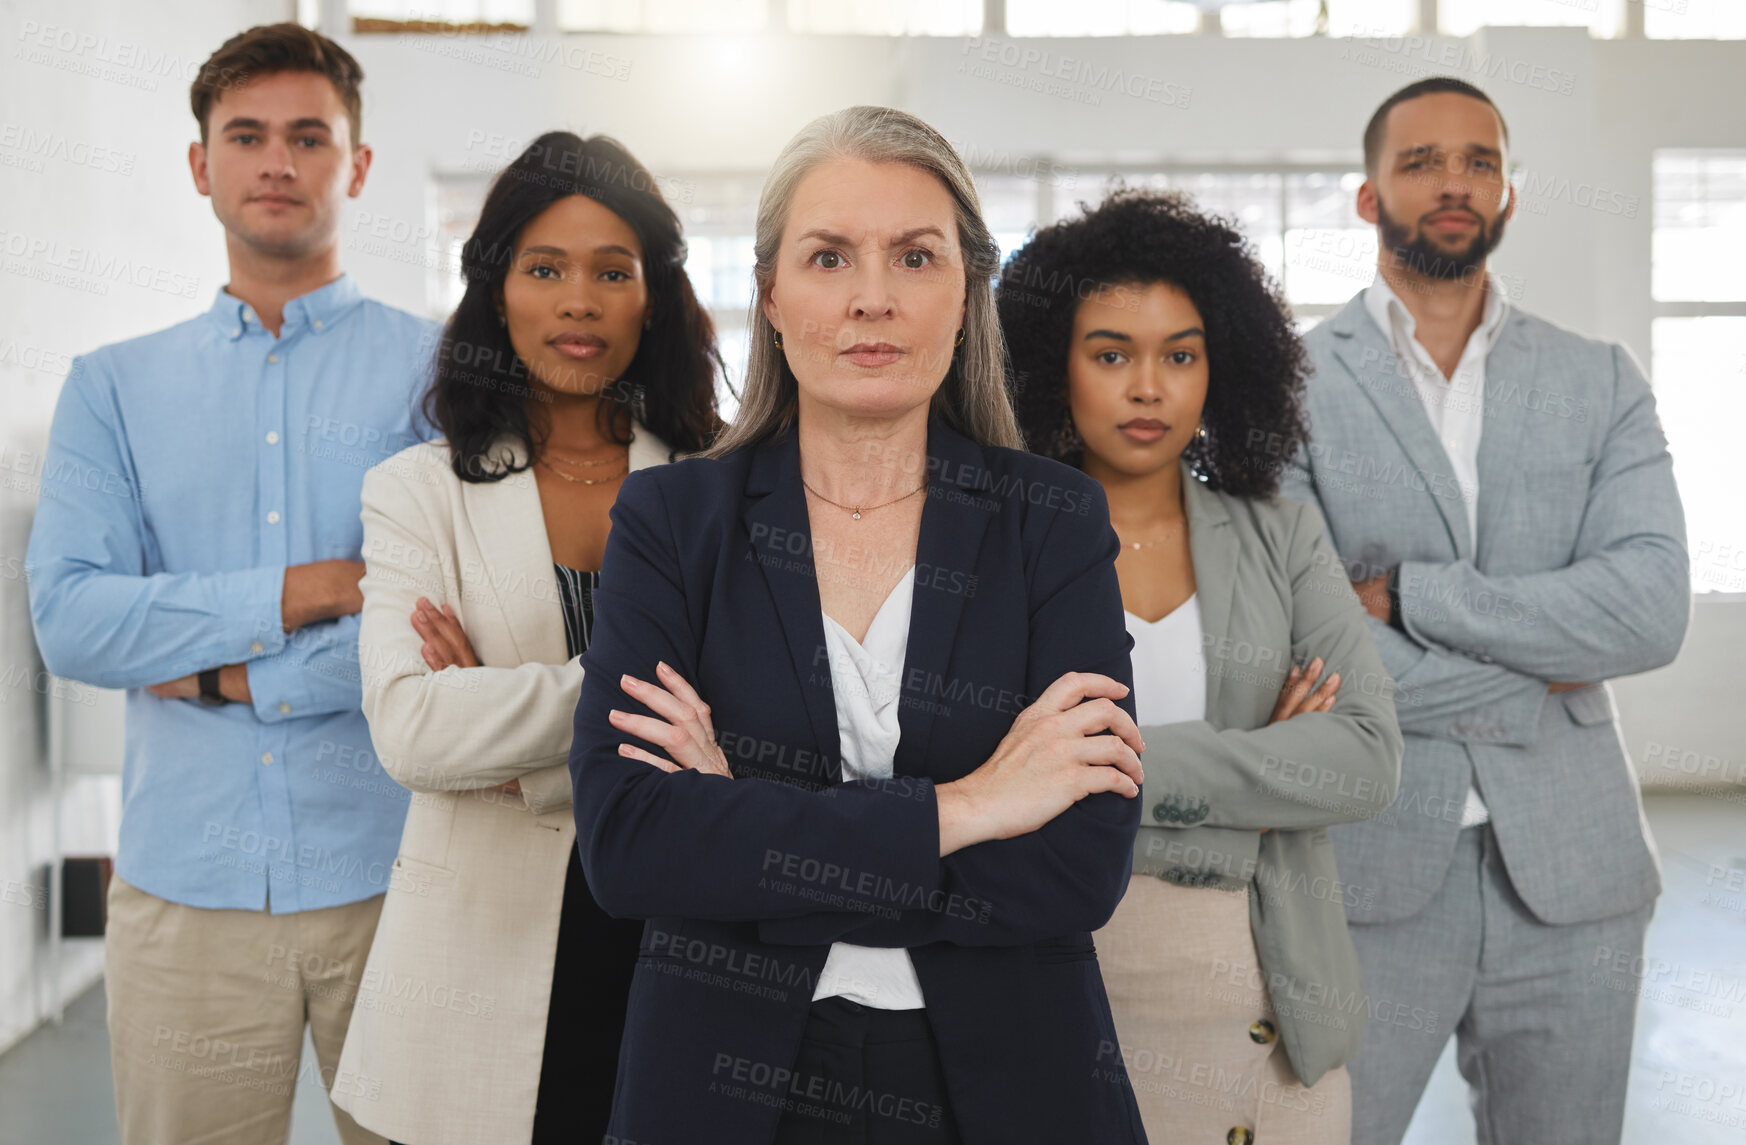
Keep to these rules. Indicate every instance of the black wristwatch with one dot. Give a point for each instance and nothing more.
(1394, 620)
(209, 693)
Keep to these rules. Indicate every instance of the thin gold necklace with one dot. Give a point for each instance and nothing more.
(576, 461)
(855, 511)
(1170, 536)
(550, 468)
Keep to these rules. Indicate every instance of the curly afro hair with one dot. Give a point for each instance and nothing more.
(1253, 414)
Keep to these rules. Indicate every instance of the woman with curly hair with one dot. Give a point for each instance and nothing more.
(1150, 351)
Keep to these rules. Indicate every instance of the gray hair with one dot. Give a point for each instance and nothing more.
(973, 397)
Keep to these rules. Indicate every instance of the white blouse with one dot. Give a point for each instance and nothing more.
(1169, 662)
(867, 678)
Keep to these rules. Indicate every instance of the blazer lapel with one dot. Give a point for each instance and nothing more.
(1213, 547)
(950, 539)
(1509, 369)
(953, 522)
(1365, 350)
(510, 527)
(776, 526)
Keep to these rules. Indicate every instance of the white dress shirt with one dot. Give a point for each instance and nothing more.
(1169, 660)
(866, 678)
(1455, 406)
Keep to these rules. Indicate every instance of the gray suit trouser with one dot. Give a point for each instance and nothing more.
(1542, 1021)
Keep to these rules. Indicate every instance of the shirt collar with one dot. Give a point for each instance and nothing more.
(1386, 309)
(319, 310)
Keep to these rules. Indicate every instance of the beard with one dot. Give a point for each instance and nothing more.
(1417, 253)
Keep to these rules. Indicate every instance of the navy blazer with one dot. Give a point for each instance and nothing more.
(746, 881)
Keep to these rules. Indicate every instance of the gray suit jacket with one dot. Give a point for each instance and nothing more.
(1273, 593)
(1579, 574)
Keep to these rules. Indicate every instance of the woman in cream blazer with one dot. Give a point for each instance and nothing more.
(577, 333)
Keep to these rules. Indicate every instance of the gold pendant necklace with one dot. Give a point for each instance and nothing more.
(855, 511)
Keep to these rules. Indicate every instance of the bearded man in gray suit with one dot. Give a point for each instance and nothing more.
(1501, 493)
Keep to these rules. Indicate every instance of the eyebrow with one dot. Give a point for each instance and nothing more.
(560, 252)
(1477, 148)
(1191, 332)
(303, 124)
(897, 240)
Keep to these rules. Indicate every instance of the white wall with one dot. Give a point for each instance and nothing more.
(722, 103)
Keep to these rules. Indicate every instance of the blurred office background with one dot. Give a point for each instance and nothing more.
(1628, 121)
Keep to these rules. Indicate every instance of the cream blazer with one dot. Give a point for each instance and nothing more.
(446, 1038)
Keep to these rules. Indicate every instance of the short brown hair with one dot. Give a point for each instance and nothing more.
(1431, 85)
(269, 49)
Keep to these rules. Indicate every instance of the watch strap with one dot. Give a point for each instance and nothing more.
(209, 693)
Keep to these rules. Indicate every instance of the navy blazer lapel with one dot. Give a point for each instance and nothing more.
(1366, 351)
(1509, 375)
(954, 519)
(960, 501)
(780, 535)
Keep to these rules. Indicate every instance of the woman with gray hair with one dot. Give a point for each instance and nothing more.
(855, 732)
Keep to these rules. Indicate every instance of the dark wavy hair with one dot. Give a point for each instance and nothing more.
(1253, 414)
(479, 388)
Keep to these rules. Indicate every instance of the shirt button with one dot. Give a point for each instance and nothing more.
(266, 757)
(273, 517)
(256, 646)
(272, 358)
(235, 332)
(318, 323)
(285, 709)
(272, 437)
(1262, 1032)
(248, 315)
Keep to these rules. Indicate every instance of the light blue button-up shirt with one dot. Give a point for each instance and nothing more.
(185, 471)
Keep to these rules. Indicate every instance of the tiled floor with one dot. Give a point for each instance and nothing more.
(1688, 1084)
(55, 1086)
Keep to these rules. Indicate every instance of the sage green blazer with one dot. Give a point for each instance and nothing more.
(1273, 592)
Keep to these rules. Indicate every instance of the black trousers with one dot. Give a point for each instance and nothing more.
(865, 1076)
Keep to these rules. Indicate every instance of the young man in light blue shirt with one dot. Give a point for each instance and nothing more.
(197, 544)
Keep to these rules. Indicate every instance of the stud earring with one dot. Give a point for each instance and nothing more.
(777, 335)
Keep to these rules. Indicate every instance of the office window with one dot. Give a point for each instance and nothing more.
(1307, 18)
(452, 201)
(1300, 222)
(1700, 216)
(1699, 371)
(1009, 206)
(658, 17)
(720, 214)
(1100, 18)
(1330, 253)
(381, 15)
(887, 17)
(1694, 19)
(1699, 349)
(1605, 18)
